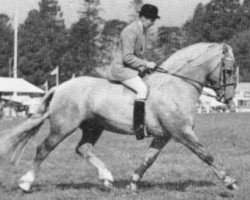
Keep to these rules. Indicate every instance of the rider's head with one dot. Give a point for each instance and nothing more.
(148, 15)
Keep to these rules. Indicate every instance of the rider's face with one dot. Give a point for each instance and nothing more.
(147, 23)
(150, 22)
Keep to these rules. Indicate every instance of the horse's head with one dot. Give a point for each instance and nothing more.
(205, 64)
(222, 75)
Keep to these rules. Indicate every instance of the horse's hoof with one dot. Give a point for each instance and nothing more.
(107, 184)
(133, 187)
(25, 187)
(26, 181)
(233, 186)
(231, 183)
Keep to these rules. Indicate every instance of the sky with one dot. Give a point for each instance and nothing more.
(172, 12)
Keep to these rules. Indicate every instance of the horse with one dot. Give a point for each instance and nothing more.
(96, 104)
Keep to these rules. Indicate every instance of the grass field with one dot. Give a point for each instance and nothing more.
(177, 174)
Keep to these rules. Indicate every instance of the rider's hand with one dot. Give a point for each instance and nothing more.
(151, 65)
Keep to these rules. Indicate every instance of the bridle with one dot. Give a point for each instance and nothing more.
(222, 83)
(220, 90)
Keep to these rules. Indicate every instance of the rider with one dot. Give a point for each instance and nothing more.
(128, 61)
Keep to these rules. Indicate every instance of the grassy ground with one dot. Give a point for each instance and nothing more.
(177, 173)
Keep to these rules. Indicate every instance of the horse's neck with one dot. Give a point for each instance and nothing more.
(195, 76)
(192, 62)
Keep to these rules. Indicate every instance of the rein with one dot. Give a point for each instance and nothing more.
(158, 69)
(164, 71)
(220, 87)
(161, 70)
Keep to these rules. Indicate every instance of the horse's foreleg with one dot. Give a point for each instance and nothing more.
(91, 133)
(191, 142)
(155, 148)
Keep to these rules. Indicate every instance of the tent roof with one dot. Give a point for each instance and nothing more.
(18, 85)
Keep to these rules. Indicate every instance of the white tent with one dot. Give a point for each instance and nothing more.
(18, 85)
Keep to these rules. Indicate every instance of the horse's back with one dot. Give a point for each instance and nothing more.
(80, 84)
(74, 90)
(92, 91)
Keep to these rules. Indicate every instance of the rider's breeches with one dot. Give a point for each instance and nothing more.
(138, 86)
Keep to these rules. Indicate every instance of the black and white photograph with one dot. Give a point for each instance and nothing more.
(124, 99)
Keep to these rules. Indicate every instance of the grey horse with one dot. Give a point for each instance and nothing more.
(96, 104)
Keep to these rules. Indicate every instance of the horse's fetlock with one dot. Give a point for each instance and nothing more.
(135, 178)
(149, 161)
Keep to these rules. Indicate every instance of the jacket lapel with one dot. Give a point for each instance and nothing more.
(141, 37)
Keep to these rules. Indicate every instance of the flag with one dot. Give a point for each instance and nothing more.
(46, 86)
(55, 71)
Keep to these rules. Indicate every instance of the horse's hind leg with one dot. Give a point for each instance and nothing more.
(91, 131)
(58, 133)
(191, 142)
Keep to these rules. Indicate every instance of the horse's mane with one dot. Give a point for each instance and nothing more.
(192, 56)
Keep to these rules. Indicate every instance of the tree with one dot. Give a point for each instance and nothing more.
(109, 40)
(194, 27)
(84, 37)
(221, 20)
(244, 13)
(166, 42)
(6, 45)
(241, 46)
(42, 42)
(217, 21)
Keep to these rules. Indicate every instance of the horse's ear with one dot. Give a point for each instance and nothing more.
(225, 49)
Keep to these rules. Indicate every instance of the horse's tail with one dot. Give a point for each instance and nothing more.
(13, 141)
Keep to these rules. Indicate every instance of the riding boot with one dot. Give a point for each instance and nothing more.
(139, 112)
